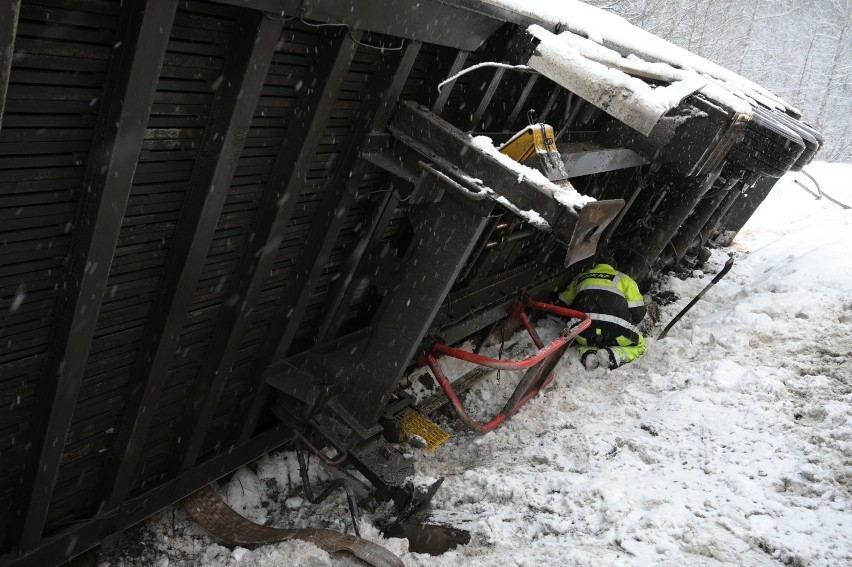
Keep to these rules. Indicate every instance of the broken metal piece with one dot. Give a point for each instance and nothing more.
(215, 516)
(433, 539)
(586, 158)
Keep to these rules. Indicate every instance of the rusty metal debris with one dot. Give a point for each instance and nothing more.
(215, 516)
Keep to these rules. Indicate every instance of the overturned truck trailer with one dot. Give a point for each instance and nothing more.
(227, 222)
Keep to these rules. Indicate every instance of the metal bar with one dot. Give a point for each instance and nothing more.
(451, 149)
(816, 196)
(81, 536)
(721, 214)
(8, 27)
(725, 269)
(473, 261)
(486, 98)
(436, 22)
(280, 195)
(444, 95)
(335, 205)
(343, 293)
(430, 273)
(522, 100)
(551, 102)
(494, 253)
(572, 109)
(250, 53)
(144, 30)
(505, 291)
(475, 91)
(386, 85)
(539, 369)
(461, 385)
(323, 236)
(820, 191)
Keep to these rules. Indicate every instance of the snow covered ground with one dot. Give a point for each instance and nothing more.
(728, 443)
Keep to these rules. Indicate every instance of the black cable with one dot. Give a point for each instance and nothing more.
(351, 36)
(500, 353)
(279, 18)
(335, 484)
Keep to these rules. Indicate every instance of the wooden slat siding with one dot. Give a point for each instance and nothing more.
(78, 537)
(357, 314)
(18, 400)
(28, 330)
(8, 26)
(128, 96)
(282, 275)
(146, 238)
(265, 137)
(38, 206)
(312, 111)
(465, 101)
(416, 86)
(251, 51)
(335, 133)
(340, 192)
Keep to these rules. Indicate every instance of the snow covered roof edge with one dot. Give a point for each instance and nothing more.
(608, 29)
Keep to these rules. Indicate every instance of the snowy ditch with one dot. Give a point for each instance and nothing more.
(728, 443)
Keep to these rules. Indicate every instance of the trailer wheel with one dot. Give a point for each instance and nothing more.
(767, 147)
(812, 139)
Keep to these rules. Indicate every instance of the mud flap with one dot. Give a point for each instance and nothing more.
(594, 218)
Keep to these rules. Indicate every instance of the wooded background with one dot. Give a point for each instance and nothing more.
(799, 49)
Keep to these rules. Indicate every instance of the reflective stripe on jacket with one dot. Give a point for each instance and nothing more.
(613, 302)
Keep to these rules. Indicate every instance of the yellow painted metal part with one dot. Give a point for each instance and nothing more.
(536, 138)
(413, 422)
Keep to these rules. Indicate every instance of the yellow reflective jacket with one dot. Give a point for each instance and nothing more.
(613, 302)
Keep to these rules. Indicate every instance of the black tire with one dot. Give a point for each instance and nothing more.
(767, 146)
(812, 139)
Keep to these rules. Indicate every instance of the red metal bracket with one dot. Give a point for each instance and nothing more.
(539, 366)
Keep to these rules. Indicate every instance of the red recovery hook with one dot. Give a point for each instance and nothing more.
(539, 366)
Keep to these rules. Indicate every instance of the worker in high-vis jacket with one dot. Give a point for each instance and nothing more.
(614, 304)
